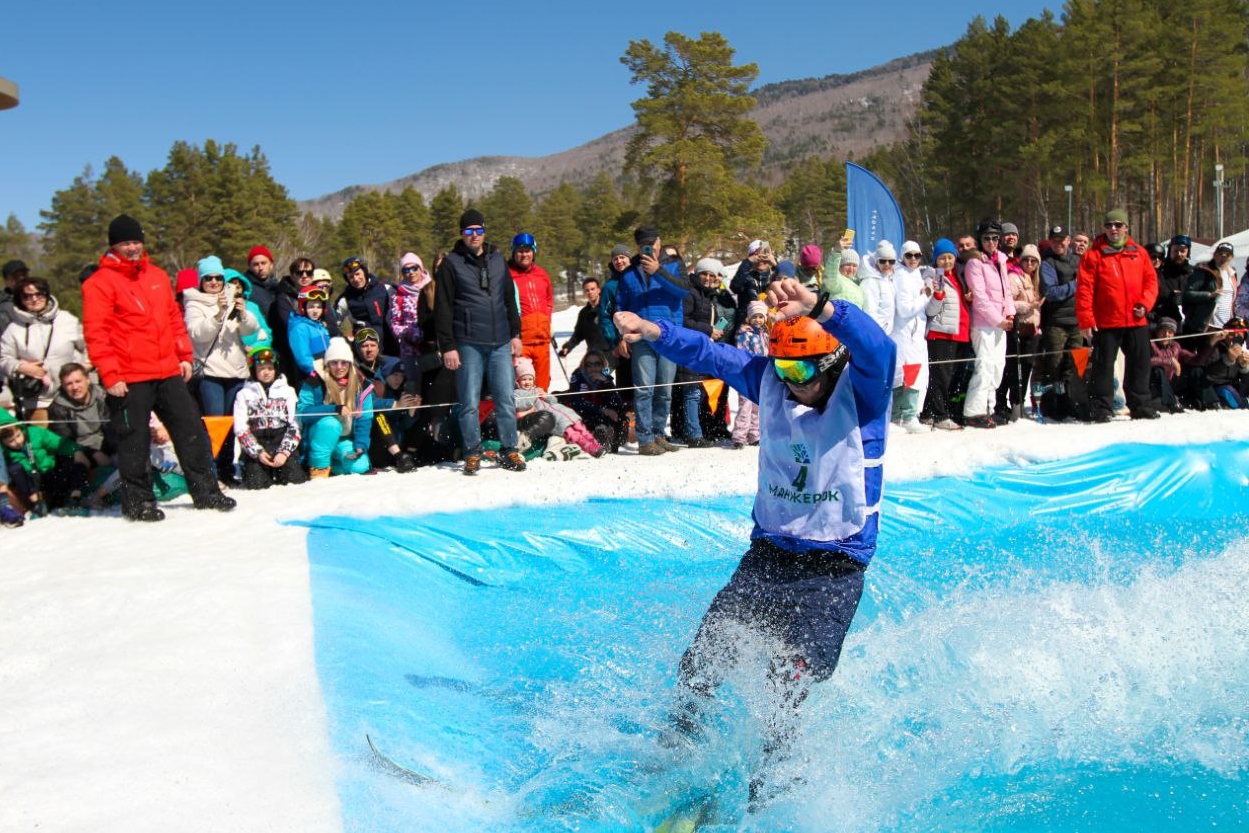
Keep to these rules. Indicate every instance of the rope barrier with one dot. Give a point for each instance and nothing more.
(673, 384)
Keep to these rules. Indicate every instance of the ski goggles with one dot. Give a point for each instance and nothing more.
(315, 295)
(262, 356)
(366, 334)
(796, 371)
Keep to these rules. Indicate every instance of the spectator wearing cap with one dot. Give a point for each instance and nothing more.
(478, 324)
(138, 341)
(949, 334)
(710, 309)
(1201, 295)
(537, 303)
(1060, 332)
(335, 409)
(913, 285)
(1115, 290)
(1021, 342)
(653, 289)
(992, 317)
(365, 302)
(876, 279)
(218, 321)
(262, 275)
(1173, 280)
(13, 271)
(754, 273)
(267, 425)
(1167, 361)
(33, 348)
(841, 280)
(587, 328)
(1010, 241)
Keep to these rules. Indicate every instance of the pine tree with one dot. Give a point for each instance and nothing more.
(694, 130)
(508, 210)
(413, 217)
(600, 221)
(370, 228)
(561, 241)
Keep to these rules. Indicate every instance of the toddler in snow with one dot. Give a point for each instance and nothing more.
(752, 337)
(530, 398)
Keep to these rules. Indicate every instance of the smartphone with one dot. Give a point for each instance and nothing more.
(649, 251)
(848, 234)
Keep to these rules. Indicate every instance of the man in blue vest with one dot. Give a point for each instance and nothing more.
(824, 398)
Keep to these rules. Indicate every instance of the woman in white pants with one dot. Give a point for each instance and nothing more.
(992, 317)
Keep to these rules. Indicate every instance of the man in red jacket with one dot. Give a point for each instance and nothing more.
(1115, 288)
(537, 303)
(138, 342)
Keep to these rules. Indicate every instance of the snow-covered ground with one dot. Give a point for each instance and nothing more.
(161, 677)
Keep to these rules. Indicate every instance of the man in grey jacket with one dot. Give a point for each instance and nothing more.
(80, 412)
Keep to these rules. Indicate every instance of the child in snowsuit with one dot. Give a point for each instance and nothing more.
(753, 338)
(266, 424)
(593, 394)
(568, 424)
(46, 471)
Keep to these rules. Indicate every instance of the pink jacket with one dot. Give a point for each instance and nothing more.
(991, 296)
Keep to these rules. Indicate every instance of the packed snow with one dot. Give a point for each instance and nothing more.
(161, 677)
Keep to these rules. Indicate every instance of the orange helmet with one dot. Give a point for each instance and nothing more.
(801, 337)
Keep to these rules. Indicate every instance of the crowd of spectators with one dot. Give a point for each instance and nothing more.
(453, 362)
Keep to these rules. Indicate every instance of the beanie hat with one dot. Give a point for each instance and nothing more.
(885, 251)
(910, 247)
(338, 351)
(186, 279)
(409, 259)
(1182, 240)
(210, 265)
(645, 234)
(1165, 323)
(944, 246)
(849, 256)
(755, 245)
(124, 229)
(12, 267)
(471, 217)
(622, 250)
(1117, 215)
(1031, 251)
(709, 264)
(786, 269)
(756, 308)
(1010, 228)
(524, 367)
(259, 250)
(810, 256)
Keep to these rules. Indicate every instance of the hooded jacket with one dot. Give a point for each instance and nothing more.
(218, 342)
(991, 298)
(1113, 281)
(132, 325)
(258, 408)
(52, 336)
(85, 423)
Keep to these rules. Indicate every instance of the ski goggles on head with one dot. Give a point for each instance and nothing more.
(316, 294)
(366, 334)
(796, 371)
(262, 355)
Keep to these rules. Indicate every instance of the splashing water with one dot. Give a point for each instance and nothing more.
(1057, 647)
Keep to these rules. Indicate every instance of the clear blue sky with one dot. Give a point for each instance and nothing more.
(363, 92)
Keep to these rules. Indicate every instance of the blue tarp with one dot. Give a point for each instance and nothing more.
(1025, 632)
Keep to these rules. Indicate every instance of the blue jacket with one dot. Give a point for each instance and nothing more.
(308, 341)
(312, 406)
(870, 373)
(657, 297)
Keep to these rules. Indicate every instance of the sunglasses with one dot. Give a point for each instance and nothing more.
(37, 294)
(886, 261)
(214, 278)
(1116, 225)
(410, 270)
(473, 232)
(305, 272)
(366, 334)
(991, 238)
(910, 255)
(796, 371)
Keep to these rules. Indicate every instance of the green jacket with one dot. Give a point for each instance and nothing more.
(44, 445)
(838, 286)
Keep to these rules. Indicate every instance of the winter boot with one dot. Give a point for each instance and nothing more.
(318, 474)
